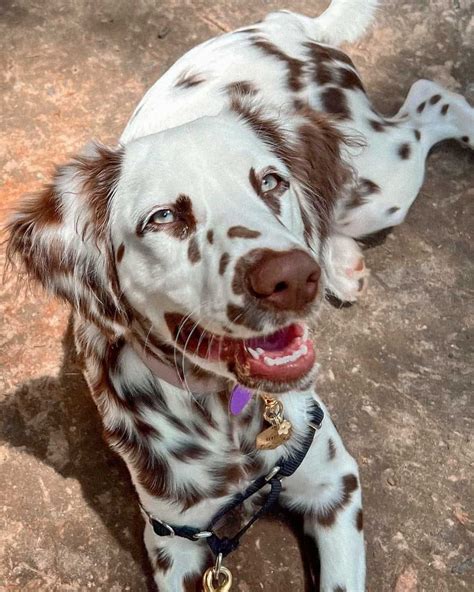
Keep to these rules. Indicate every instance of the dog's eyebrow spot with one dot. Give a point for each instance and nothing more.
(189, 79)
(120, 252)
(194, 254)
(242, 232)
(392, 210)
(360, 519)
(434, 99)
(444, 109)
(417, 134)
(404, 151)
(254, 181)
(210, 237)
(223, 263)
(334, 102)
(420, 107)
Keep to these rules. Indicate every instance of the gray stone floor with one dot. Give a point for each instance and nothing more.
(396, 368)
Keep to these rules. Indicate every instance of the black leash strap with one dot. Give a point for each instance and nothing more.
(285, 467)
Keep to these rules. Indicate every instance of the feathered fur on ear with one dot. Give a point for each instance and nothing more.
(311, 147)
(61, 236)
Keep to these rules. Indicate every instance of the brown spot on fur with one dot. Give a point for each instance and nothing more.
(334, 102)
(360, 520)
(120, 252)
(242, 232)
(349, 79)
(404, 151)
(210, 237)
(392, 210)
(223, 263)
(361, 191)
(377, 126)
(340, 589)
(420, 107)
(434, 99)
(319, 53)
(327, 517)
(444, 109)
(294, 66)
(163, 561)
(192, 583)
(241, 87)
(331, 449)
(417, 134)
(189, 79)
(188, 452)
(194, 254)
(324, 74)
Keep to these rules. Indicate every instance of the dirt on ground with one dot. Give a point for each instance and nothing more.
(396, 369)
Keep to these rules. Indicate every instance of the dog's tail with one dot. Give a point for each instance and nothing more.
(343, 20)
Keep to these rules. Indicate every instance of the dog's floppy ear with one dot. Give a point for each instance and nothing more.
(61, 235)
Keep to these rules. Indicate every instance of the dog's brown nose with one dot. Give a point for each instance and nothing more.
(287, 280)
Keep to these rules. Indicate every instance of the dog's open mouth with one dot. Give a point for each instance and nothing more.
(283, 356)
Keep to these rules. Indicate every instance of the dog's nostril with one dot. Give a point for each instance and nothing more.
(280, 287)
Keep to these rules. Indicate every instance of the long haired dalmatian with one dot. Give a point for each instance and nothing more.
(196, 252)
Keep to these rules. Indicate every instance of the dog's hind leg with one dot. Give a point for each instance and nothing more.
(438, 114)
(389, 173)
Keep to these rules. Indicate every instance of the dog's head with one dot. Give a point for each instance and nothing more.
(206, 239)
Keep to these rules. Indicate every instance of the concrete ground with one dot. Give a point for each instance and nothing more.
(396, 368)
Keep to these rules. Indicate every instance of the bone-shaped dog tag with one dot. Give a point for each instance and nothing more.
(274, 436)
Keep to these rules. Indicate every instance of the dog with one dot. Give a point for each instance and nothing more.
(195, 256)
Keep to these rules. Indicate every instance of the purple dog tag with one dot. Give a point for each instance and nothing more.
(239, 397)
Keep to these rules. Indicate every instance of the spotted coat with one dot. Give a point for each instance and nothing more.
(259, 141)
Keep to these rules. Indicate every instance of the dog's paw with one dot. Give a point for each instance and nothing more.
(346, 272)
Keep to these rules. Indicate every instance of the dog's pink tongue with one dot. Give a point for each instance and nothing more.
(275, 342)
(239, 398)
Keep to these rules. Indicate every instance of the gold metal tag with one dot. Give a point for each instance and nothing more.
(224, 581)
(280, 429)
(274, 436)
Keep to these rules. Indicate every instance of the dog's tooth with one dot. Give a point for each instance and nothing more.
(260, 351)
(268, 361)
(253, 353)
(304, 349)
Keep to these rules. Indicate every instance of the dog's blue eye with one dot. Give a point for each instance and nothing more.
(270, 182)
(164, 216)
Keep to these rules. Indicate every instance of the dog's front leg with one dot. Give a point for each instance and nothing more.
(326, 489)
(177, 563)
(335, 522)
